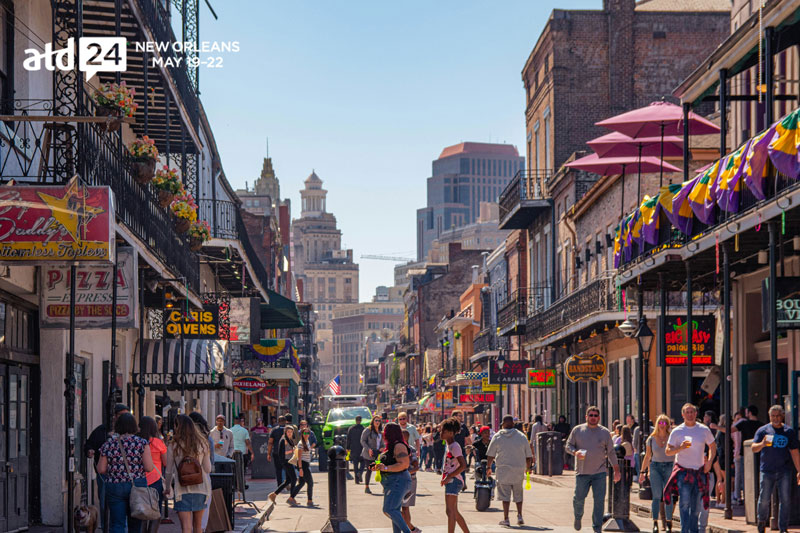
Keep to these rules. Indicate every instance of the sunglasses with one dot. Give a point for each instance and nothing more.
(402, 418)
(662, 423)
(593, 415)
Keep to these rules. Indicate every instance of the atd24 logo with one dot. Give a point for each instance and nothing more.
(96, 54)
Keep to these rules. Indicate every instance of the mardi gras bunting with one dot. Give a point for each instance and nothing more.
(728, 184)
(783, 150)
(755, 162)
(701, 198)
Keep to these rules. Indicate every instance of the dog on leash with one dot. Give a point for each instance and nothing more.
(86, 517)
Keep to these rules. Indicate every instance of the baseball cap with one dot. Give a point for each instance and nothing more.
(485, 428)
(120, 407)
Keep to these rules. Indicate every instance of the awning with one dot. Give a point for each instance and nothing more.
(279, 313)
(203, 364)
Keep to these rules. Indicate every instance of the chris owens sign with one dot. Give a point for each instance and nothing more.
(195, 325)
(703, 331)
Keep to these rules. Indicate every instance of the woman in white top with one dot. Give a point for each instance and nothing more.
(190, 500)
(303, 448)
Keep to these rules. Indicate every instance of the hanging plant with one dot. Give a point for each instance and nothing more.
(144, 155)
(185, 210)
(114, 101)
(199, 232)
(168, 183)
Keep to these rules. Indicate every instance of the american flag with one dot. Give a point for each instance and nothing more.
(334, 386)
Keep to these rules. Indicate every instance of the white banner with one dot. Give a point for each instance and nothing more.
(93, 294)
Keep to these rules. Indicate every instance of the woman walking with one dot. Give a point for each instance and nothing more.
(303, 448)
(124, 461)
(371, 445)
(285, 451)
(438, 449)
(148, 430)
(189, 464)
(426, 443)
(626, 441)
(452, 475)
(659, 465)
(394, 463)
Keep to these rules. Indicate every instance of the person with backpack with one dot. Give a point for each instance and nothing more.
(285, 452)
(189, 465)
(124, 461)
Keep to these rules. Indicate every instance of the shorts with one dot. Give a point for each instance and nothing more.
(190, 503)
(453, 487)
(505, 491)
(410, 499)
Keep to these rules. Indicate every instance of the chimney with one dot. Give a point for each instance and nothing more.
(475, 274)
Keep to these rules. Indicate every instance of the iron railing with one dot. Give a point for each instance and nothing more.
(525, 185)
(598, 296)
(221, 216)
(520, 304)
(487, 340)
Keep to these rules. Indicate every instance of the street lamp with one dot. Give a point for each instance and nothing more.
(628, 328)
(644, 338)
(501, 362)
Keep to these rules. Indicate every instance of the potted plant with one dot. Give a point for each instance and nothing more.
(185, 210)
(168, 184)
(199, 232)
(114, 101)
(143, 159)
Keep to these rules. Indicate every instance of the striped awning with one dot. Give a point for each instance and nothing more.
(203, 364)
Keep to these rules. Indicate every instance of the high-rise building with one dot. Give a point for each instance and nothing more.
(266, 191)
(463, 176)
(326, 273)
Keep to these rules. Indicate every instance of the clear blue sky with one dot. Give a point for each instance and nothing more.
(367, 93)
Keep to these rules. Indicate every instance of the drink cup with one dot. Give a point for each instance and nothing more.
(581, 454)
(688, 439)
(769, 439)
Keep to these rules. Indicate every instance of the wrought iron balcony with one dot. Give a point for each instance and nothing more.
(513, 313)
(597, 297)
(221, 216)
(523, 199)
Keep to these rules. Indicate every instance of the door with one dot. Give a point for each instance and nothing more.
(4, 525)
(18, 447)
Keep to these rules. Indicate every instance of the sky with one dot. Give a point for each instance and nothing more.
(367, 94)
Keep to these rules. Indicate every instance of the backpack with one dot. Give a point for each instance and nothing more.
(189, 472)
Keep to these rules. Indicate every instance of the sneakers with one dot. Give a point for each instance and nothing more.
(577, 524)
(762, 526)
(520, 521)
(504, 523)
(366, 490)
(416, 530)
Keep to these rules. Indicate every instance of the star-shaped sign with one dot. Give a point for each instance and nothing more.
(71, 211)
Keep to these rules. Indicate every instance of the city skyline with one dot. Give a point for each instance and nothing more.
(333, 90)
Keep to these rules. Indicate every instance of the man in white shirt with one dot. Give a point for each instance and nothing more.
(687, 443)
(222, 437)
(413, 435)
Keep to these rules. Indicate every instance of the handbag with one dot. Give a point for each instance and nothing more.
(645, 489)
(143, 501)
(295, 460)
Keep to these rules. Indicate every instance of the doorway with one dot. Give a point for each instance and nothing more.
(15, 450)
(754, 386)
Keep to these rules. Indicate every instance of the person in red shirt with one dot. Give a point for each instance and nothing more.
(148, 430)
(260, 427)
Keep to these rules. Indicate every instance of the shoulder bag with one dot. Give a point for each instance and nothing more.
(144, 501)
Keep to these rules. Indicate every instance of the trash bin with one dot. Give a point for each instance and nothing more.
(261, 467)
(549, 453)
(223, 478)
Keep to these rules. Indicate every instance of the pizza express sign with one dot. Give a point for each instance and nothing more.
(193, 325)
(585, 367)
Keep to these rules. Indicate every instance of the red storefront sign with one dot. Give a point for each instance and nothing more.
(486, 397)
(56, 223)
(272, 393)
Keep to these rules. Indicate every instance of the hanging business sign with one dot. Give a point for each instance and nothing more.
(487, 397)
(245, 319)
(585, 367)
(248, 384)
(56, 223)
(703, 338)
(512, 373)
(487, 387)
(541, 378)
(192, 325)
(787, 303)
(93, 294)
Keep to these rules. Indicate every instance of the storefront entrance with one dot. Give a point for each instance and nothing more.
(15, 451)
(755, 386)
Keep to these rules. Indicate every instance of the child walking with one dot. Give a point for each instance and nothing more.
(452, 475)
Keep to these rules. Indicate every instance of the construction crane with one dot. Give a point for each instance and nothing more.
(389, 258)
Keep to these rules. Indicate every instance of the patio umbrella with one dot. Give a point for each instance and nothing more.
(608, 166)
(657, 120)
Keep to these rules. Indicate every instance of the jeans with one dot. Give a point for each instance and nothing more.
(738, 478)
(358, 466)
(659, 475)
(782, 481)
(117, 495)
(290, 481)
(101, 495)
(424, 460)
(689, 498)
(702, 512)
(305, 480)
(278, 462)
(438, 458)
(395, 486)
(598, 484)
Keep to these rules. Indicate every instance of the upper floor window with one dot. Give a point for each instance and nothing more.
(6, 55)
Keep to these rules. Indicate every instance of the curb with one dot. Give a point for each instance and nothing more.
(643, 511)
(549, 481)
(254, 525)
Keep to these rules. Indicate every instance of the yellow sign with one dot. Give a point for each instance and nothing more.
(485, 387)
(194, 325)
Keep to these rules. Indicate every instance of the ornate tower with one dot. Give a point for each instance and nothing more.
(312, 198)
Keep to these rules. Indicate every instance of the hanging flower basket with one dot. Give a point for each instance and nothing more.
(195, 244)
(199, 232)
(144, 168)
(182, 225)
(165, 198)
(113, 117)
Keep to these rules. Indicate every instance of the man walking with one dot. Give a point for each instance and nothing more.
(241, 440)
(746, 427)
(510, 449)
(778, 445)
(592, 447)
(537, 427)
(414, 438)
(689, 478)
(222, 437)
(275, 437)
(353, 446)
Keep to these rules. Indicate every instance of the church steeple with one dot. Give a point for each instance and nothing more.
(267, 184)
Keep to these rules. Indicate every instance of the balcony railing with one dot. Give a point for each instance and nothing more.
(523, 199)
(28, 154)
(513, 313)
(596, 297)
(221, 216)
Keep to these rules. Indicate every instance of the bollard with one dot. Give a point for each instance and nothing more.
(337, 493)
(621, 493)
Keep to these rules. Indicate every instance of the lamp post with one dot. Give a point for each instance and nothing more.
(644, 338)
(501, 362)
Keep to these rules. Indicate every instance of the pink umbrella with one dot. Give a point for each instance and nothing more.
(657, 119)
(616, 144)
(608, 166)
